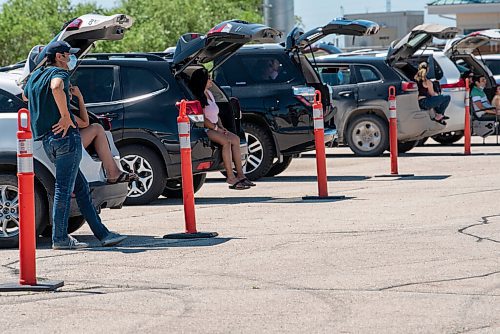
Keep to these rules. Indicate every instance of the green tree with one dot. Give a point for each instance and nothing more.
(159, 24)
(26, 23)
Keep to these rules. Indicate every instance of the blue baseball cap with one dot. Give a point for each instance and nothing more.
(59, 47)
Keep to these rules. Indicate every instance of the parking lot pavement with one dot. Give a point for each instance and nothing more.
(419, 254)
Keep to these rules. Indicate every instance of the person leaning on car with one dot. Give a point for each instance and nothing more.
(47, 92)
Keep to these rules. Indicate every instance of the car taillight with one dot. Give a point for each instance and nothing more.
(105, 122)
(304, 94)
(194, 111)
(303, 100)
(204, 165)
(75, 25)
(224, 27)
(408, 86)
(454, 87)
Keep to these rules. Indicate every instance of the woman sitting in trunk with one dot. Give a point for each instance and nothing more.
(200, 86)
(428, 98)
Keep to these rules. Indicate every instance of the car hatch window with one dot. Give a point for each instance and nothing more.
(97, 84)
(7, 103)
(335, 76)
(367, 74)
(493, 65)
(139, 81)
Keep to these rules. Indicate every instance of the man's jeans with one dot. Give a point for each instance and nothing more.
(66, 153)
(438, 102)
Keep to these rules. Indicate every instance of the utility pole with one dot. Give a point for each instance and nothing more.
(279, 14)
(388, 5)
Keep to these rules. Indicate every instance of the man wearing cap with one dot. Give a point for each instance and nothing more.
(47, 91)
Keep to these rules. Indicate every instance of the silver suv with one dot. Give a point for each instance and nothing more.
(104, 195)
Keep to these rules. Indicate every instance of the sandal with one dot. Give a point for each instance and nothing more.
(239, 185)
(247, 182)
(441, 121)
(124, 177)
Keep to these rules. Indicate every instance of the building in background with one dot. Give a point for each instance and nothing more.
(279, 14)
(393, 25)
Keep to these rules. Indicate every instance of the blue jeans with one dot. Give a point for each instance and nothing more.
(438, 102)
(66, 154)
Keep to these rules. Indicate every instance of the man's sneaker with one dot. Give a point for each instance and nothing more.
(113, 239)
(71, 244)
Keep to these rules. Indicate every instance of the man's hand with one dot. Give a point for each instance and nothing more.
(76, 91)
(63, 125)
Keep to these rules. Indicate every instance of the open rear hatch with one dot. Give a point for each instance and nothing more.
(81, 33)
(471, 42)
(420, 36)
(298, 39)
(220, 42)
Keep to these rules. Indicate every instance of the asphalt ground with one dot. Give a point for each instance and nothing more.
(397, 255)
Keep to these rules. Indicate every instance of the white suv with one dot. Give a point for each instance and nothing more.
(103, 195)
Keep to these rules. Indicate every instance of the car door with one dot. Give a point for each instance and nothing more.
(100, 87)
(341, 81)
(9, 103)
(81, 33)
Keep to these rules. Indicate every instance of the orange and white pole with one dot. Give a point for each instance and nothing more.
(319, 142)
(467, 130)
(393, 130)
(184, 126)
(26, 184)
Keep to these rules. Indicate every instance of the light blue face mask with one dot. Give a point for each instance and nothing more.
(72, 62)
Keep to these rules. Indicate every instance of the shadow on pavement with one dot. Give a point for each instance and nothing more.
(139, 243)
(239, 200)
(412, 178)
(299, 178)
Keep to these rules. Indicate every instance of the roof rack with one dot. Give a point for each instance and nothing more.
(107, 56)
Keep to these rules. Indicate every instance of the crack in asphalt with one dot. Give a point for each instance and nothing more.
(467, 330)
(439, 281)
(484, 221)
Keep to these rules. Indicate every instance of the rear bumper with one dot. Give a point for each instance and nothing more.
(103, 196)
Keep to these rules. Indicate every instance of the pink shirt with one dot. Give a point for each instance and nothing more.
(212, 110)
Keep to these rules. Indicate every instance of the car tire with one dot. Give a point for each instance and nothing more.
(367, 135)
(173, 187)
(260, 151)
(422, 141)
(149, 167)
(280, 167)
(74, 224)
(8, 192)
(407, 146)
(448, 138)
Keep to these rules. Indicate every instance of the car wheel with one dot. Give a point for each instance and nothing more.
(9, 210)
(367, 135)
(144, 162)
(260, 151)
(422, 141)
(280, 167)
(406, 146)
(173, 188)
(74, 224)
(448, 138)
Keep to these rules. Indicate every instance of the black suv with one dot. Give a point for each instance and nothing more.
(138, 93)
(273, 84)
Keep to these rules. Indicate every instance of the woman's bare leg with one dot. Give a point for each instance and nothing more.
(95, 133)
(222, 139)
(236, 152)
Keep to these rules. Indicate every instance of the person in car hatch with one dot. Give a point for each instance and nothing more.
(427, 97)
(94, 134)
(480, 103)
(200, 85)
(496, 99)
(47, 92)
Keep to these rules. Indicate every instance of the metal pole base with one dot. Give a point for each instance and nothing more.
(324, 198)
(197, 235)
(395, 175)
(40, 286)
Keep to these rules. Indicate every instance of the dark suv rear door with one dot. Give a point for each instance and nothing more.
(100, 87)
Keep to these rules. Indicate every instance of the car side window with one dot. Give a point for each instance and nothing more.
(8, 103)
(336, 75)
(97, 84)
(139, 81)
(256, 69)
(367, 74)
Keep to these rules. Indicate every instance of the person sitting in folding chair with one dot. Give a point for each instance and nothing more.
(480, 103)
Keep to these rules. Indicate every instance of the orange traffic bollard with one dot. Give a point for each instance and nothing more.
(467, 132)
(26, 200)
(393, 135)
(183, 125)
(319, 141)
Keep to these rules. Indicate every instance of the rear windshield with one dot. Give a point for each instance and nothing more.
(493, 65)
